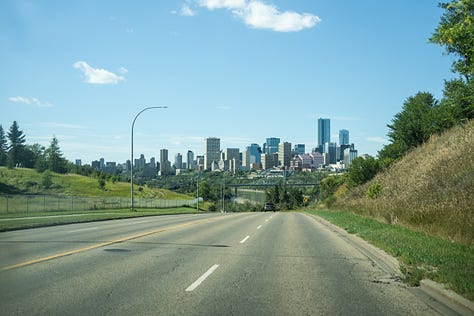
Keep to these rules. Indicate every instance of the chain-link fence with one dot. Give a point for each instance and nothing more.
(46, 203)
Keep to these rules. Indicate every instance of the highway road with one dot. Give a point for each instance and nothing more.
(205, 264)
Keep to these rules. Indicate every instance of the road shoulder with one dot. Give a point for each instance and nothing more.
(433, 293)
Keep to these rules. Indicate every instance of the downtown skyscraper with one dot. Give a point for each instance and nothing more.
(324, 132)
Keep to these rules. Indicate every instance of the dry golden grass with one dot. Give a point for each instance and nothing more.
(430, 189)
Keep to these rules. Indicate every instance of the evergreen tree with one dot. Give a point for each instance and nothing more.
(54, 157)
(3, 147)
(17, 144)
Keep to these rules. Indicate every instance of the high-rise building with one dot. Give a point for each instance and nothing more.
(251, 157)
(190, 159)
(331, 152)
(324, 132)
(343, 137)
(299, 149)
(232, 153)
(271, 146)
(349, 155)
(165, 165)
(212, 149)
(178, 161)
(284, 154)
(269, 161)
(255, 153)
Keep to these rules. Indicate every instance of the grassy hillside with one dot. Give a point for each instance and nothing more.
(430, 189)
(28, 181)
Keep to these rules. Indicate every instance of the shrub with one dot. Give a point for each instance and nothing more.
(363, 169)
(373, 191)
(47, 180)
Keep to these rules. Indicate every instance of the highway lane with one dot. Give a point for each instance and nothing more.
(30, 244)
(246, 264)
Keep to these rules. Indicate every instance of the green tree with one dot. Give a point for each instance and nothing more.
(329, 185)
(363, 170)
(54, 157)
(31, 155)
(456, 33)
(47, 180)
(207, 192)
(457, 104)
(3, 147)
(414, 124)
(40, 154)
(17, 144)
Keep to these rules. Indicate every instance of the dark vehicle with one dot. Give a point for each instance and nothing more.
(269, 206)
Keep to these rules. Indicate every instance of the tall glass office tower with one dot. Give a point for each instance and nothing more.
(271, 145)
(324, 132)
(343, 137)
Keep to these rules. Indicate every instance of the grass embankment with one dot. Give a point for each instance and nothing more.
(28, 181)
(61, 218)
(421, 255)
(73, 198)
(430, 189)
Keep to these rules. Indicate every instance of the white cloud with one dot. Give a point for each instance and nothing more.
(263, 16)
(97, 75)
(62, 125)
(123, 70)
(33, 101)
(260, 15)
(186, 10)
(222, 4)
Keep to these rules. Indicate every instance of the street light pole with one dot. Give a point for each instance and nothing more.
(131, 156)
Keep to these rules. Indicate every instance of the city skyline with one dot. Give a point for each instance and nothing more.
(213, 152)
(82, 71)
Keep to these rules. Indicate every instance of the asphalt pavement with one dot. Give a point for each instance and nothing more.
(206, 264)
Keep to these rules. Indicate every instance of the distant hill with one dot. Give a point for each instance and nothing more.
(28, 181)
(430, 189)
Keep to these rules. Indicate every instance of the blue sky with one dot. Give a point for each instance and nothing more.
(239, 70)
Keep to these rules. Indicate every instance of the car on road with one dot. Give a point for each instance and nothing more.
(269, 206)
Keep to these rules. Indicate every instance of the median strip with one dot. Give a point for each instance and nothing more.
(107, 243)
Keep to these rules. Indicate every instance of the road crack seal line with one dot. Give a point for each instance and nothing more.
(107, 243)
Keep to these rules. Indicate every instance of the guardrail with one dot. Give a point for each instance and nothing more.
(47, 203)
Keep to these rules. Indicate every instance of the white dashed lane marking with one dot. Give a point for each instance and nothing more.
(193, 286)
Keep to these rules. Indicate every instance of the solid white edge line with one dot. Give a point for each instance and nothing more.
(244, 240)
(260, 226)
(202, 278)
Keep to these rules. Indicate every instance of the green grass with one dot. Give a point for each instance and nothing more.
(61, 218)
(28, 181)
(421, 255)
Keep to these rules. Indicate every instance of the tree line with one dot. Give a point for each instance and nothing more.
(15, 152)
